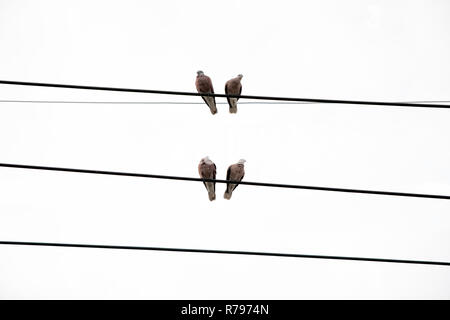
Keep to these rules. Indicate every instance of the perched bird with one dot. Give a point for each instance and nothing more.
(233, 87)
(207, 170)
(203, 84)
(235, 173)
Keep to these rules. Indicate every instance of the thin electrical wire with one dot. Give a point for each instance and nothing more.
(181, 93)
(260, 184)
(229, 252)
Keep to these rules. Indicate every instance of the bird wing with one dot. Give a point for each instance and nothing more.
(226, 92)
(228, 178)
(214, 177)
(235, 186)
(204, 183)
(205, 100)
(200, 171)
(210, 84)
(200, 83)
(211, 87)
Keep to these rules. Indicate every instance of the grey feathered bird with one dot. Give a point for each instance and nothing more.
(235, 173)
(203, 84)
(233, 87)
(207, 170)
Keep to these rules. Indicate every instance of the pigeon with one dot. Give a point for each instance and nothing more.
(235, 173)
(207, 170)
(233, 87)
(204, 85)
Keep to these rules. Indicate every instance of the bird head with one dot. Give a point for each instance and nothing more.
(206, 160)
(240, 76)
(200, 73)
(242, 161)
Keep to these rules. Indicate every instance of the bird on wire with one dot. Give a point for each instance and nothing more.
(235, 172)
(207, 170)
(203, 84)
(233, 87)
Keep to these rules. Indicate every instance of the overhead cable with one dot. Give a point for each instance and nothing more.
(229, 252)
(259, 184)
(181, 93)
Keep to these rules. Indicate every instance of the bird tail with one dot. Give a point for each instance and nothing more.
(233, 105)
(211, 191)
(228, 192)
(211, 102)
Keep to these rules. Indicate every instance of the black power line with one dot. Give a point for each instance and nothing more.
(234, 252)
(180, 93)
(144, 102)
(182, 102)
(260, 184)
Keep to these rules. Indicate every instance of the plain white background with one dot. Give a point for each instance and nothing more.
(368, 50)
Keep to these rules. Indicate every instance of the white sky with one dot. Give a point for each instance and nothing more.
(370, 50)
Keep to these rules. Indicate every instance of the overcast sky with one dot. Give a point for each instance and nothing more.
(368, 50)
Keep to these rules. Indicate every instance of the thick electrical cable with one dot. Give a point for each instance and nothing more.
(228, 252)
(253, 97)
(259, 184)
